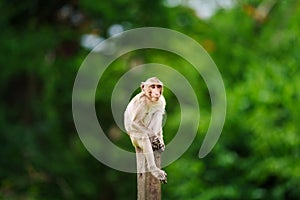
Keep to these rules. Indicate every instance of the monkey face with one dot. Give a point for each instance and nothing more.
(153, 88)
(154, 92)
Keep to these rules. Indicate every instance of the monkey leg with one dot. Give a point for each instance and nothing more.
(140, 160)
(146, 148)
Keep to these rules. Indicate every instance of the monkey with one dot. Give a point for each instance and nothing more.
(143, 123)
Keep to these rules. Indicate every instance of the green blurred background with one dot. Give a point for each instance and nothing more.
(255, 45)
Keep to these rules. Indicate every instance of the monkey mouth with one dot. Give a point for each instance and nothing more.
(155, 98)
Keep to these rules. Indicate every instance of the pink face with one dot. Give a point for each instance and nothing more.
(155, 92)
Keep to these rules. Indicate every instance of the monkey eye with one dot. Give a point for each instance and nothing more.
(154, 86)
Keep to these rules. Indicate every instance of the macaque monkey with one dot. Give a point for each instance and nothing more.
(143, 123)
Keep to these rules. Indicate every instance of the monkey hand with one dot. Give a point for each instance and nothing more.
(161, 147)
(157, 145)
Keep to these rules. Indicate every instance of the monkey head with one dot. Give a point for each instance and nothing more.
(152, 88)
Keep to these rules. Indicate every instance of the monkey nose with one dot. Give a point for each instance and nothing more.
(156, 94)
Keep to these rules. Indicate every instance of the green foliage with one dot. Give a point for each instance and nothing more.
(257, 155)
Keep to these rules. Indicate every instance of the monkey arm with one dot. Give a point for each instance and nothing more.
(136, 114)
(158, 143)
(160, 136)
(137, 126)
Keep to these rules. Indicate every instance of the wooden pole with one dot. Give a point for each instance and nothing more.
(149, 188)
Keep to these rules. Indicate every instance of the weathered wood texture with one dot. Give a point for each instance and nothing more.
(149, 188)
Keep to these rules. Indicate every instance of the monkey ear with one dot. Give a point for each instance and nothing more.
(142, 86)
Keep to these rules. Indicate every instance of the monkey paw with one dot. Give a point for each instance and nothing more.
(157, 145)
(160, 175)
